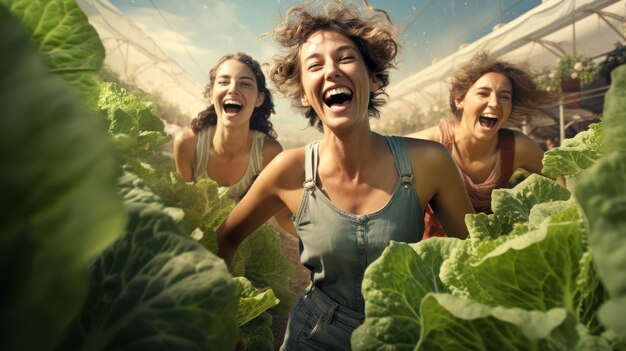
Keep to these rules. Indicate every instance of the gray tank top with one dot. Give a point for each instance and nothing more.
(337, 246)
(255, 163)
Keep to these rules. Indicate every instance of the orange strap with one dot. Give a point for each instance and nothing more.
(507, 153)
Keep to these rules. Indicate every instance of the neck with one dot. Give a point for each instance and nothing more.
(230, 142)
(471, 148)
(350, 154)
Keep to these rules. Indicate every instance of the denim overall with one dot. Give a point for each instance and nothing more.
(337, 246)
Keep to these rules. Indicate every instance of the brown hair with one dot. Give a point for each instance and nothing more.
(526, 96)
(260, 119)
(370, 30)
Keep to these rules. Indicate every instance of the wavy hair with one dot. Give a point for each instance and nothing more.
(260, 119)
(371, 30)
(526, 97)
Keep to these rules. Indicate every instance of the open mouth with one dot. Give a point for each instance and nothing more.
(487, 121)
(338, 97)
(232, 107)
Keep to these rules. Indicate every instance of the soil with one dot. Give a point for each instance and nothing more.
(297, 284)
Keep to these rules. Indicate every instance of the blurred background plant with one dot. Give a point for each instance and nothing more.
(614, 59)
(577, 68)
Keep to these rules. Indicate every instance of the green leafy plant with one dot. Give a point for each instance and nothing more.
(68, 44)
(568, 67)
(545, 271)
(155, 286)
(59, 204)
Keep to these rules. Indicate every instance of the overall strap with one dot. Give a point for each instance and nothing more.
(401, 157)
(310, 166)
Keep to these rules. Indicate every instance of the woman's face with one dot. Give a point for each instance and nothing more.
(487, 105)
(335, 80)
(235, 94)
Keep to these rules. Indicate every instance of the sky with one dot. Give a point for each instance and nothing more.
(196, 33)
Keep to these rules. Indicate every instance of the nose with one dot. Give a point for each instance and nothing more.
(332, 70)
(232, 89)
(493, 99)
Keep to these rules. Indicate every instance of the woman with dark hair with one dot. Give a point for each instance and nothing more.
(233, 139)
(486, 94)
(355, 190)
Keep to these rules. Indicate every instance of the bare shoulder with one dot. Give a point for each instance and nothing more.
(185, 143)
(522, 139)
(186, 138)
(528, 154)
(431, 133)
(286, 170)
(271, 148)
(426, 152)
(289, 160)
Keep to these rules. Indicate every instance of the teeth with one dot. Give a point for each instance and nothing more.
(337, 91)
(232, 102)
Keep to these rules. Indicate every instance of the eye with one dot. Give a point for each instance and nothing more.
(346, 58)
(222, 82)
(314, 66)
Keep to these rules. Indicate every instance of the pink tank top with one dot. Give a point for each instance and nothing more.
(479, 193)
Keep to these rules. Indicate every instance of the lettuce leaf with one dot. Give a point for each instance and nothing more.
(70, 46)
(512, 207)
(575, 154)
(258, 258)
(533, 271)
(156, 288)
(614, 114)
(59, 204)
(393, 287)
(515, 204)
(252, 302)
(455, 323)
(601, 192)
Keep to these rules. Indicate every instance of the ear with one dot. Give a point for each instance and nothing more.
(304, 101)
(260, 99)
(374, 83)
(459, 103)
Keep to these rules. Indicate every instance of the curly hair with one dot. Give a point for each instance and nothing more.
(371, 31)
(260, 119)
(526, 96)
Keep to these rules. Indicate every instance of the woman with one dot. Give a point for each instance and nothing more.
(233, 139)
(486, 94)
(347, 205)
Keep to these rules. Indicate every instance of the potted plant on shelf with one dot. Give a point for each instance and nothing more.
(570, 71)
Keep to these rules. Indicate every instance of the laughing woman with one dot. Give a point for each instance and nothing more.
(485, 95)
(347, 204)
(233, 139)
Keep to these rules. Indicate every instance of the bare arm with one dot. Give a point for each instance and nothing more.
(271, 148)
(439, 183)
(528, 155)
(266, 197)
(185, 153)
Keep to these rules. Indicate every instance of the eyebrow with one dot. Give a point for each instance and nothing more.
(339, 49)
(241, 78)
(488, 88)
